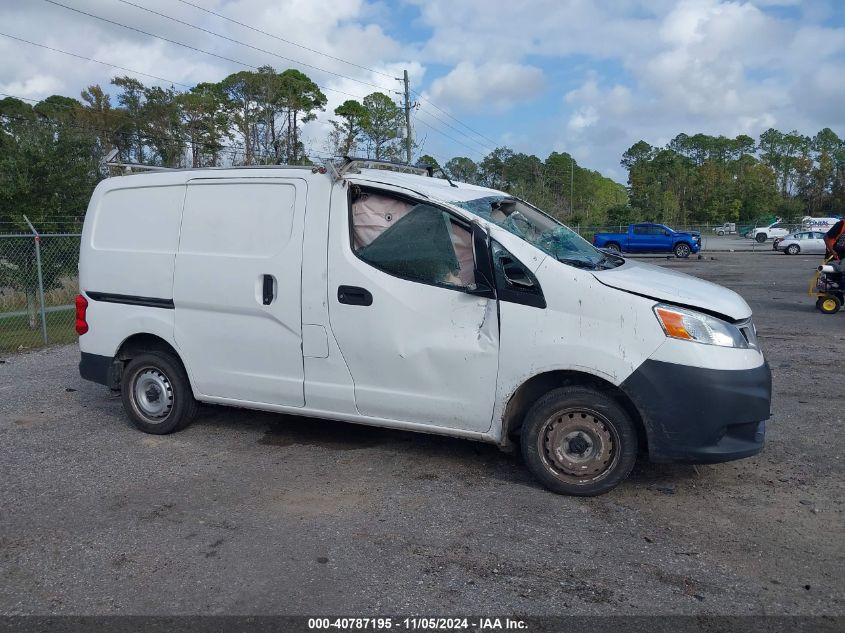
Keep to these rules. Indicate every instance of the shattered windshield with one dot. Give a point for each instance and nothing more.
(541, 230)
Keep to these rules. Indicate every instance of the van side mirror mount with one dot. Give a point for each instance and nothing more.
(515, 274)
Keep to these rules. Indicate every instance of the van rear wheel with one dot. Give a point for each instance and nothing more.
(579, 441)
(156, 393)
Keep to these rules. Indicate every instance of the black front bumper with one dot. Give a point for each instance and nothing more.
(698, 415)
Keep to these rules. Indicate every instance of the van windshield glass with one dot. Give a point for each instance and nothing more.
(541, 230)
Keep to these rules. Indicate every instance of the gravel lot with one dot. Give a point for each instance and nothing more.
(249, 512)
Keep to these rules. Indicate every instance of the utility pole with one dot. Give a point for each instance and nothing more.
(409, 141)
(571, 183)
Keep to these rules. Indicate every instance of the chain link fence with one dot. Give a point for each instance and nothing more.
(39, 281)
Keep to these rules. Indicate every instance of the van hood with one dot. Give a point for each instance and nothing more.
(662, 284)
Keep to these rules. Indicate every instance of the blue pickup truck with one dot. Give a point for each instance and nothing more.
(650, 238)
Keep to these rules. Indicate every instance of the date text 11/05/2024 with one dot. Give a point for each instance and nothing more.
(417, 624)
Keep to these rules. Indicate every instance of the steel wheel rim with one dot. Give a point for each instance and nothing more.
(152, 394)
(828, 305)
(578, 445)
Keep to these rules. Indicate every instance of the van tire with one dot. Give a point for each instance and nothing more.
(599, 425)
(156, 393)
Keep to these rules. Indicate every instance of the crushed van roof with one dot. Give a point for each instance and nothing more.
(436, 188)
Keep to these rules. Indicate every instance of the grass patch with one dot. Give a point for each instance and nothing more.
(16, 335)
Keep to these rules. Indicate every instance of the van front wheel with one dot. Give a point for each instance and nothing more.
(156, 393)
(579, 441)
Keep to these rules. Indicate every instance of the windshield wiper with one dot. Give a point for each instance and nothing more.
(611, 261)
(578, 263)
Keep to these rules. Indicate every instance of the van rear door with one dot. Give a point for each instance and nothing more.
(237, 288)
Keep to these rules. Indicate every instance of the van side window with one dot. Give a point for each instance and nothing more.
(417, 242)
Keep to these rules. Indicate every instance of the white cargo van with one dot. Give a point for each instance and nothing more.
(809, 223)
(400, 300)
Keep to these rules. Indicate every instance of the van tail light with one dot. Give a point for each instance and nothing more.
(81, 309)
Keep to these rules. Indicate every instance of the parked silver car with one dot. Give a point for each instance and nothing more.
(810, 242)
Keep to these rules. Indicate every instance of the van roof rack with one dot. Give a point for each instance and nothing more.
(135, 168)
(128, 167)
(351, 163)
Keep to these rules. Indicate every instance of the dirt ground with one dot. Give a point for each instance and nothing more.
(248, 512)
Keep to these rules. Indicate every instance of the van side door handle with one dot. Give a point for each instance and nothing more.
(267, 294)
(354, 296)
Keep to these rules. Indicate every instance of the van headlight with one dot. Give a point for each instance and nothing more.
(694, 326)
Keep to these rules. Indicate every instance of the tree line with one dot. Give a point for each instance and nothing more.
(51, 154)
(52, 150)
(713, 179)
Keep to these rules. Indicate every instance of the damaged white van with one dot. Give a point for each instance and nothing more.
(383, 297)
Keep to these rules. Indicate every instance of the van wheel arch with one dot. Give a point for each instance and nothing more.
(537, 386)
(139, 344)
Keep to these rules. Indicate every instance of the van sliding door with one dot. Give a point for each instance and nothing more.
(237, 289)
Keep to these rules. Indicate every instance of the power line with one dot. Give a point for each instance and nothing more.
(434, 105)
(281, 39)
(366, 83)
(182, 44)
(240, 43)
(97, 61)
(486, 148)
(229, 59)
(138, 72)
(449, 136)
(235, 61)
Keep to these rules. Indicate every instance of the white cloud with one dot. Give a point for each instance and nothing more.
(499, 85)
(337, 32)
(574, 75)
(583, 117)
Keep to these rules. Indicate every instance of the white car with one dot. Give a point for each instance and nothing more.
(808, 242)
(762, 233)
(404, 301)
